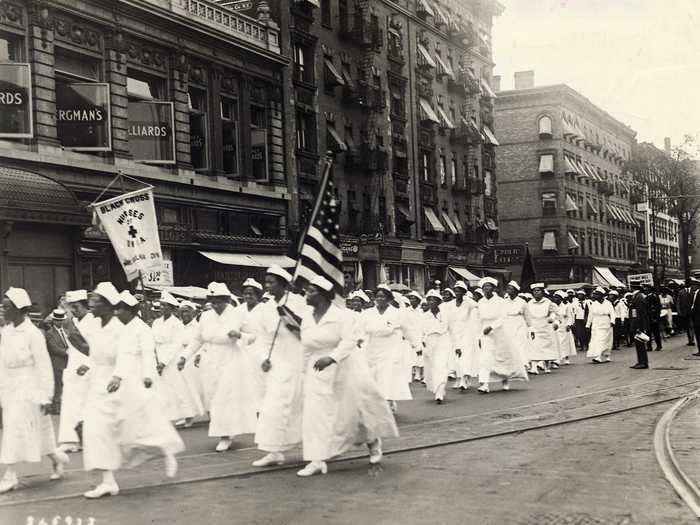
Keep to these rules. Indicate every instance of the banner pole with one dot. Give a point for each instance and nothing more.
(143, 291)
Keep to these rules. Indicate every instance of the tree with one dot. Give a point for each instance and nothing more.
(670, 182)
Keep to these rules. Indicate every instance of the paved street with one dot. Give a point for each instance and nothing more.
(599, 470)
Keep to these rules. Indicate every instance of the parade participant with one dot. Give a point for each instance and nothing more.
(477, 294)
(144, 431)
(514, 322)
(57, 346)
(621, 315)
(251, 332)
(628, 333)
(666, 314)
(233, 407)
(684, 303)
(499, 358)
(385, 350)
(541, 316)
(342, 405)
(601, 320)
(26, 390)
(437, 346)
(654, 310)
(416, 317)
(75, 386)
(192, 372)
(279, 426)
(639, 324)
(411, 336)
(581, 307)
(178, 400)
(101, 449)
(565, 339)
(462, 333)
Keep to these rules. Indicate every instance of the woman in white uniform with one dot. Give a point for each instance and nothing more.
(415, 315)
(192, 370)
(233, 408)
(601, 320)
(463, 337)
(437, 346)
(26, 392)
(252, 343)
(514, 322)
(567, 346)
(541, 316)
(342, 405)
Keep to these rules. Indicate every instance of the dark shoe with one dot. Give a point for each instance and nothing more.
(690, 344)
(696, 354)
(438, 401)
(657, 349)
(639, 367)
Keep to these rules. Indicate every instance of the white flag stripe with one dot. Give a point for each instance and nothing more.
(327, 245)
(334, 273)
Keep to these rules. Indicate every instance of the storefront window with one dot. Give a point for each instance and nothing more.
(198, 128)
(229, 123)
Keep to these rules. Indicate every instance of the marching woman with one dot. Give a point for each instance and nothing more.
(342, 405)
(601, 320)
(437, 346)
(385, 347)
(252, 314)
(416, 315)
(463, 337)
(192, 370)
(233, 409)
(279, 425)
(26, 391)
(541, 316)
(499, 358)
(514, 321)
(565, 314)
(179, 400)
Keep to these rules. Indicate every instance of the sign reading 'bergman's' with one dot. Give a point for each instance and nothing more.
(151, 137)
(15, 101)
(83, 117)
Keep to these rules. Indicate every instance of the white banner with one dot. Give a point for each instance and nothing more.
(640, 278)
(130, 222)
(159, 278)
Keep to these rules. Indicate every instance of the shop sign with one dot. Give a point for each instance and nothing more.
(151, 132)
(161, 277)
(392, 253)
(83, 116)
(349, 248)
(507, 254)
(372, 238)
(240, 5)
(640, 278)
(16, 101)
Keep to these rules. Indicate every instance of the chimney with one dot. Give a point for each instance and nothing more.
(667, 145)
(524, 79)
(496, 83)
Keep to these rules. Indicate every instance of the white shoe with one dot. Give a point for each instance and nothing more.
(484, 389)
(547, 371)
(101, 490)
(69, 448)
(534, 371)
(506, 385)
(224, 444)
(180, 423)
(273, 458)
(457, 384)
(375, 451)
(315, 467)
(8, 484)
(170, 465)
(61, 460)
(394, 406)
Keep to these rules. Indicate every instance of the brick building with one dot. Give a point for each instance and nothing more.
(184, 94)
(560, 173)
(400, 92)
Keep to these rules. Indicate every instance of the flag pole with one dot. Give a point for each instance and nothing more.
(143, 291)
(328, 162)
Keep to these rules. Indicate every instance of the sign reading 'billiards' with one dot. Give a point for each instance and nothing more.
(15, 101)
(151, 132)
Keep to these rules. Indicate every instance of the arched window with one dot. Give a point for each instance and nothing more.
(545, 125)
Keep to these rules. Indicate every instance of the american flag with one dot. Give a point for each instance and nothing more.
(320, 252)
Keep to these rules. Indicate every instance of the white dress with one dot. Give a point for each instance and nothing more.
(253, 344)
(515, 325)
(279, 424)
(385, 352)
(192, 373)
(26, 382)
(436, 354)
(75, 387)
(540, 317)
(567, 345)
(601, 317)
(414, 322)
(342, 404)
(233, 408)
(179, 399)
(464, 335)
(500, 356)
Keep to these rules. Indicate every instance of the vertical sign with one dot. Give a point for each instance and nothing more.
(16, 101)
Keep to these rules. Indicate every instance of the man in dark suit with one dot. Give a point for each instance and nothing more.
(684, 302)
(695, 312)
(57, 345)
(639, 324)
(654, 311)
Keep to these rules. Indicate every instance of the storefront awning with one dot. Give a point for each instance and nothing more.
(490, 136)
(549, 241)
(335, 142)
(602, 276)
(447, 220)
(427, 112)
(433, 221)
(251, 260)
(465, 274)
(425, 54)
(332, 75)
(445, 119)
(547, 163)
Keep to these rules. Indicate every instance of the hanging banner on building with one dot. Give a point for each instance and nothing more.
(151, 131)
(130, 222)
(83, 116)
(16, 101)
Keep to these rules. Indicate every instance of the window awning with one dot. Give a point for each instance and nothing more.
(445, 119)
(547, 163)
(465, 274)
(427, 112)
(570, 204)
(581, 169)
(425, 6)
(571, 167)
(334, 139)
(491, 137)
(450, 226)
(440, 16)
(445, 67)
(491, 225)
(602, 276)
(549, 241)
(593, 171)
(433, 221)
(569, 129)
(426, 56)
(251, 260)
(573, 243)
(629, 219)
(458, 223)
(406, 213)
(591, 207)
(332, 75)
(486, 89)
(615, 214)
(347, 77)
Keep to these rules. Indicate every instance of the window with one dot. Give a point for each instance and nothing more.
(326, 12)
(305, 131)
(488, 183)
(10, 49)
(303, 67)
(425, 167)
(397, 105)
(258, 142)
(545, 125)
(395, 44)
(229, 127)
(453, 173)
(140, 86)
(443, 170)
(197, 99)
(549, 204)
(75, 67)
